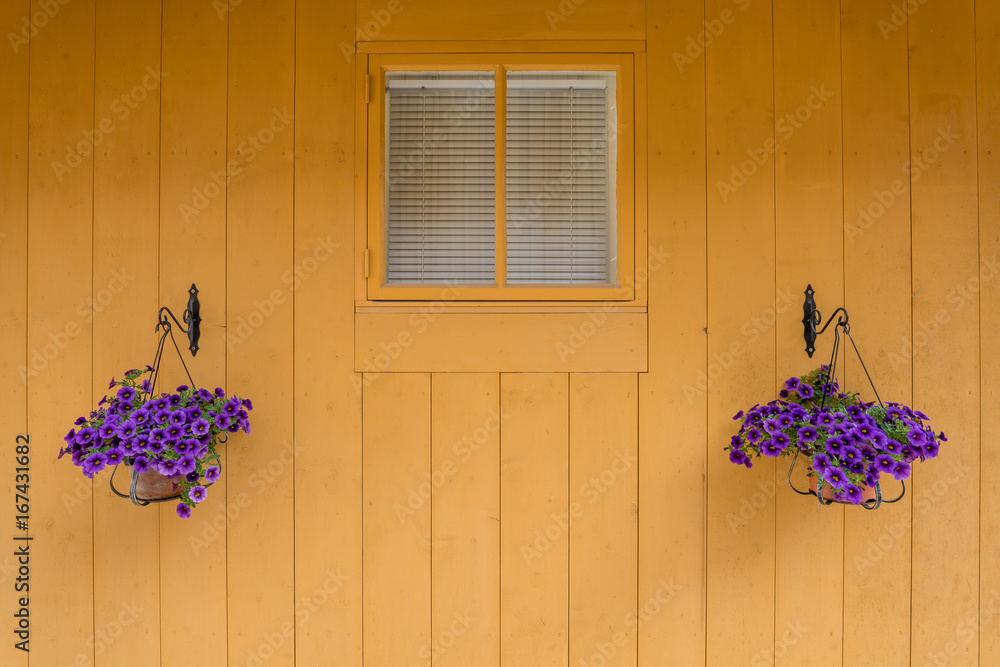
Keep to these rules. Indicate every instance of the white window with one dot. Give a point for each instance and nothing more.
(505, 179)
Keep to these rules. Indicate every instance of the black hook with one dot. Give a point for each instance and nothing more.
(192, 317)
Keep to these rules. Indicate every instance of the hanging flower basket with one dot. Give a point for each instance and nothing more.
(167, 440)
(849, 443)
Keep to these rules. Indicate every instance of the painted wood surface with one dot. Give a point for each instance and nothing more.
(60, 333)
(14, 357)
(192, 239)
(127, 79)
(328, 396)
(877, 553)
(259, 325)
(808, 224)
(740, 367)
(947, 273)
(884, 198)
(673, 412)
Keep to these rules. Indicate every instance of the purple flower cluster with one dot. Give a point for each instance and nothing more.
(850, 443)
(173, 434)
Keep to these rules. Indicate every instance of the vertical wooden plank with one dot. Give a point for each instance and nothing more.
(397, 518)
(192, 238)
(603, 517)
(259, 328)
(808, 223)
(60, 234)
(14, 287)
(126, 192)
(740, 119)
(946, 356)
(672, 544)
(877, 295)
(988, 104)
(327, 391)
(534, 499)
(465, 520)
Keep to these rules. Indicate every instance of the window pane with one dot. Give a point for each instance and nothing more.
(561, 177)
(440, 204)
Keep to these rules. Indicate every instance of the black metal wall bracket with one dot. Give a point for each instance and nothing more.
(192, 318)
(812, 318)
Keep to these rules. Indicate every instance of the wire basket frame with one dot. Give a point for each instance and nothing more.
(813, 320)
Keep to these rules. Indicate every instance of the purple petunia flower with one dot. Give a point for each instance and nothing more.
(769, 448)
(112, 384)
(824, 419)
(850, 454)
(201, 427)
(785, 420)
(183, 511)
(197, 493)
(172, 433)
(806, 391)
(884, 463)
(204, 396)
(85, 436)
(835, 445)
(182, 388)
(192, 477)
(168, 468)
(231, 407)
(821, 462)
(783, 393)
(835, 477)
(146, 387)
(212, 473)
(792, 383)
(852, 494)
(94, 464)
(916, 436)
(222, 421)
(115, 455)
(738, 415)
(219, 393)
(126, 394)
(161, 417)
(80, 421)
(247, 404)
(892, 447)
(186, 464)
(901, 470)
(753, 434)
(808, 434)
(173, 400)
(178, 417)
(140, 464)
(126, 429)
(931, 449)
(771, 425)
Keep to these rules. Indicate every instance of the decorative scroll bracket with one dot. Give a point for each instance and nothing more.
(192, 318)
(808, 308)
(812, 319)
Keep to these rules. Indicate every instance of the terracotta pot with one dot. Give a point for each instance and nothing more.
(867, 492)
(154, 486)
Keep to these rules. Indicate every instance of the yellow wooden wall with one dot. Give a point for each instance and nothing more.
(517, 517)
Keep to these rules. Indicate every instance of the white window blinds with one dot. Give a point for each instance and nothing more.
(560, 179)
(440, 177)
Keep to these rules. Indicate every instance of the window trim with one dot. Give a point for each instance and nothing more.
(630, 190)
